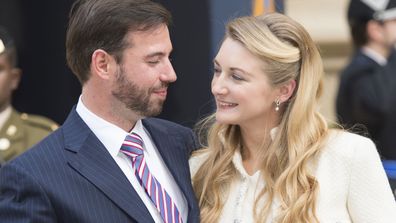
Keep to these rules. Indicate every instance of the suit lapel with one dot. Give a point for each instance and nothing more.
(172, 152)
(90, 159)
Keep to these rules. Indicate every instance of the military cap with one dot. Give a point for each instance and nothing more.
(7, 45)
(6, 40)
(364, 10)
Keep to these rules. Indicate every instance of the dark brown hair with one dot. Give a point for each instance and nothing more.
(103, 24)
(358, 30)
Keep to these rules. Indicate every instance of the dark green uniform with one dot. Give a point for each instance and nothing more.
(21, 131)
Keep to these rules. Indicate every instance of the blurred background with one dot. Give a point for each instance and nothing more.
(49, 88)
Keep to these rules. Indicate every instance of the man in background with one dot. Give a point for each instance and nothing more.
(367, 93)
(18, 132)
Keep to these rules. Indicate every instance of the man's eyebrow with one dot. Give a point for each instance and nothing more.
(155, 54)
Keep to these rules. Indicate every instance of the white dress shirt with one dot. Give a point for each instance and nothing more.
(112, 137)
(352, 185)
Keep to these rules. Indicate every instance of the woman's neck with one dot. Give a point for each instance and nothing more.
(254, 141)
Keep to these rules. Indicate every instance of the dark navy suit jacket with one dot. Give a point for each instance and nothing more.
(367, 95)
(71, 177)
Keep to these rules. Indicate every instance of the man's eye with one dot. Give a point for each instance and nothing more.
(153, 61)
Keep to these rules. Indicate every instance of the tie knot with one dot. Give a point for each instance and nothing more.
(132, 145)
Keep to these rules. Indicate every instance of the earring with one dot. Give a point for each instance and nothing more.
(277, 103)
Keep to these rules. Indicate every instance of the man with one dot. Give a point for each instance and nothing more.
(107, 162)
(367, 93)
(18, 132)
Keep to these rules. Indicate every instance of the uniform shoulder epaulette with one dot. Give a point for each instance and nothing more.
(39, 121)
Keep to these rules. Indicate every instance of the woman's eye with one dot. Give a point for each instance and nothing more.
(237, 77)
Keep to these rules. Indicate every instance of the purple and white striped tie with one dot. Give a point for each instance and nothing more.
(133, 148)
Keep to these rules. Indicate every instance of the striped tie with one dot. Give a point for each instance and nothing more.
(133, 148)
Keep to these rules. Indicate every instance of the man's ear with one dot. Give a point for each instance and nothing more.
(286, 91)
(101, 64)
(16, 74)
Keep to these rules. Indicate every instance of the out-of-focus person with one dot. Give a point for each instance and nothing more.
(367, 92)
(18, 131)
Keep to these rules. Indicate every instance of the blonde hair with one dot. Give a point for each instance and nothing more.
(288, 53)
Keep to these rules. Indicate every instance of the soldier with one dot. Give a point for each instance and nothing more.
(367, 93)
(18, 131)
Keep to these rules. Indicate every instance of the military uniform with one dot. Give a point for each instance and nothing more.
(367, 95)
(21, 131)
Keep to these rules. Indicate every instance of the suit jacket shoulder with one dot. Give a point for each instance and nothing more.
(165, 125)
(171, 129)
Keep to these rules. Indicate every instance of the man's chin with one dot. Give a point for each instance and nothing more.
(154, 109)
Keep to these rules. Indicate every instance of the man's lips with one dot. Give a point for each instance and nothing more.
(161, 92)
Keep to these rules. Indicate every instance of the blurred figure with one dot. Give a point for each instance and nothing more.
(367, 92)
(18, 132)
(270, 155)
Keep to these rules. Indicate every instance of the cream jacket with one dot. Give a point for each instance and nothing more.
(352, 185)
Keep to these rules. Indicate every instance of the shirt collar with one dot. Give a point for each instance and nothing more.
(381, 60)
(273, 132)
(139, 129)
(110, 135)
(238, 163)
(4, 115)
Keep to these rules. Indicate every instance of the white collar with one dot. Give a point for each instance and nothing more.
(109, 134)
(5, 115)
(374, 55)
(273, 132)
(238, 163)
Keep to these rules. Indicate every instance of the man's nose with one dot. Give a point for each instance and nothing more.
(168, 74)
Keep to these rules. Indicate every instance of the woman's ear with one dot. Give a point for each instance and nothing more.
(286, 90)
(101, 63)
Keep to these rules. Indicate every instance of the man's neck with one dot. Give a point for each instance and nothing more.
(123, 119)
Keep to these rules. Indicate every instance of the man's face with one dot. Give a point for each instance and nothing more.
(145, 72)
(9, 79)
(390, 32)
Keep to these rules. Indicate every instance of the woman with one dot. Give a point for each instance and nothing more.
(270, 155)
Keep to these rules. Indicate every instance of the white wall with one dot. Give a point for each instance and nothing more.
(326, 22)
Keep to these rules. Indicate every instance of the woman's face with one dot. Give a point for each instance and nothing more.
(242, 90)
